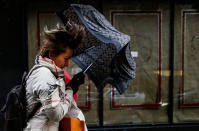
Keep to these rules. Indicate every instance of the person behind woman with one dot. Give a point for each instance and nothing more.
(46, 84)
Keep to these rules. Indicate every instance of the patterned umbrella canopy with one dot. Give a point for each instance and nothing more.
(107, 49)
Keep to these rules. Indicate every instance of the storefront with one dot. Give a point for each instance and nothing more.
(164, 43)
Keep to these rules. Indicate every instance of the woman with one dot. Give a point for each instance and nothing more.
(46, 84)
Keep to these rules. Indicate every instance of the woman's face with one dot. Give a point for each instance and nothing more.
(62, 59)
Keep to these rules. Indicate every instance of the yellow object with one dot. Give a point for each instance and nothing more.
(71, 124)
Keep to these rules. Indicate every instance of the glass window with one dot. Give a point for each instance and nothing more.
(88, 95)
(148, 95)
(186, 51)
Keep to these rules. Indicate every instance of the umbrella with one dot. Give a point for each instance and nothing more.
(107, 49)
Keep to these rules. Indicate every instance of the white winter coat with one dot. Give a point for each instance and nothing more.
(57, 101)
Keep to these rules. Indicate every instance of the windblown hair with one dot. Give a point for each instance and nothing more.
(57, 40)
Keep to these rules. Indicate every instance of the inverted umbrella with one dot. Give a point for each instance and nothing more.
(107, 49)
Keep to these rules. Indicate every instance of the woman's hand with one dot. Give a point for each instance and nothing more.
(76, 81)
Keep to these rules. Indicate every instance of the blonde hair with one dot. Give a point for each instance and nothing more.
(56, 40)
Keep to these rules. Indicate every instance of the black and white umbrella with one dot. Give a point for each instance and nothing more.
(104, 48)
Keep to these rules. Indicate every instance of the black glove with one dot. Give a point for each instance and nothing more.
(76, 81)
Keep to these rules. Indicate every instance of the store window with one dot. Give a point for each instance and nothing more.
(88, 98)
(147, 96)
(186, 103)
